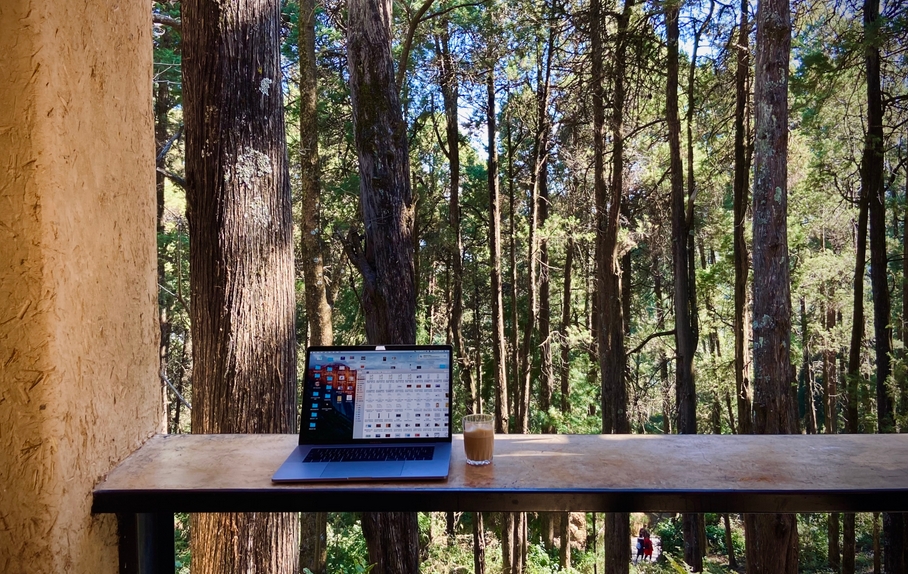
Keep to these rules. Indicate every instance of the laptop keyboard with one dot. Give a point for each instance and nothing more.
(370, 454)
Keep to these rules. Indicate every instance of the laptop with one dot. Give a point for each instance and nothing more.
(373, 413)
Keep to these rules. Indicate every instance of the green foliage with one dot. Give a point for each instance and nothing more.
(677, 565)
(813, 538)
(181, 543)
(347, 552)
(715, 535)
(672, 536)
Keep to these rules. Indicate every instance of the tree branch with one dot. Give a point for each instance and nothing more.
(166, 147)
(166, 20)
(649, 338)
(408, 43)
(175, 391)
(173, 177)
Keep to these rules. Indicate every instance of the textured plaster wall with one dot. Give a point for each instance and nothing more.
(78, 333)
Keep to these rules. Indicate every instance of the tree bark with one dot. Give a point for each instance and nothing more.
(565, 325)
(564, 532)
(479, 544)
(393, 541)
(512, 259)
(895, 553)
(740, 185)
(313, 525)
(238, 205)
(904, 324)
(853, 376)
(313, 542)
(612, 353)
(507, 541)
(806, 375)
(848, 543)
(685, 345)
(385, 260)
(450, 91)
(318, 312)
(547, 371)
(610, 321)
(772, 539)
(833, 552)
(830, 373)
(729, 546)
(499, 345)
(539, 187)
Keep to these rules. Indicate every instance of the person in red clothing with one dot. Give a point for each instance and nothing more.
(647, 548)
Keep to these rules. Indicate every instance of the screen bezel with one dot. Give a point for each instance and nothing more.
(309, 440)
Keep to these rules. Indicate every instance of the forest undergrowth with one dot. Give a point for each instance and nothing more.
(444, 554)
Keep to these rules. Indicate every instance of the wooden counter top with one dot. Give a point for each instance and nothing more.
(689, 473)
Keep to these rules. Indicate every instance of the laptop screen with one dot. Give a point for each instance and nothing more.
(376, 394)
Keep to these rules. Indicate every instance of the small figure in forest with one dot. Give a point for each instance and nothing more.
(640, 544)
(647, 548)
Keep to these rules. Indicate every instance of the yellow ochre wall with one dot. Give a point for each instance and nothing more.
(79, 388)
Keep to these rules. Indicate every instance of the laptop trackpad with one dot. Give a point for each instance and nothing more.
(363, 470)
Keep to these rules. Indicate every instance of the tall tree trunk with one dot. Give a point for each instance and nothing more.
(669, 405)
(318, 312)
(612, 352)
(385, 260)
(539, 178)
(393, 541)
(833, 551)
(507, 541)
(903, 329)
(806, 375)
(479, 544)
(895, 553)
(853, 375)
(238, 205)
(903, 324)
(830, 376)
(565, 325)
(729, 546)
(499, 345)
(610, 320)
(564, 532)
(313, 541)
(512, 259)
(313, 525)
(685, 345)
(742, 169)
(524, 381)
(547, 374)
(831, 392)
(772, 539)
(830, 373)
(450, 91)
(162, 106)
(848, 543)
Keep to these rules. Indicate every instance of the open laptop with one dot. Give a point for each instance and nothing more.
(373, 413)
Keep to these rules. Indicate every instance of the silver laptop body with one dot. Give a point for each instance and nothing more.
(373, 413)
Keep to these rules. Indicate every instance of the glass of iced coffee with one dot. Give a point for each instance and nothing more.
(478, 438)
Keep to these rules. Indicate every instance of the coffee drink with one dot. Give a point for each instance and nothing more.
(478, 439)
